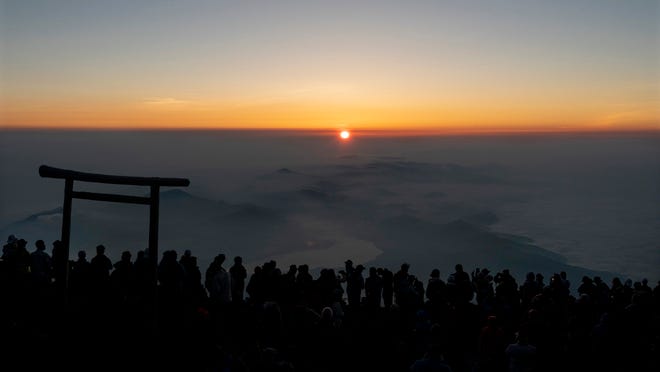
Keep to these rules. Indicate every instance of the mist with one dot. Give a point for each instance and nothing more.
(586, 204)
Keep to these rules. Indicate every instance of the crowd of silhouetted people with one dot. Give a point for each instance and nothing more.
(139, 313)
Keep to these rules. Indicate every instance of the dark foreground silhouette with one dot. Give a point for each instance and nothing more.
(112, 318)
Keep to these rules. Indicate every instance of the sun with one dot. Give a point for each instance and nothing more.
(344, 134)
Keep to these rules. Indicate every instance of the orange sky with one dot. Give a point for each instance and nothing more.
(458, 116)
(433, 67)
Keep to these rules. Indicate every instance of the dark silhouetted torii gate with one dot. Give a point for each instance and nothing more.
(154, 183)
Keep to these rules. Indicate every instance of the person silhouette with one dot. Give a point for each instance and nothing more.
(238, 274)
(41, 267)
(122, 277)
(100, 268)
(79, 282)
(354, 286)
(373, 288)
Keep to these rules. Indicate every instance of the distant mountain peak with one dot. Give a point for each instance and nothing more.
(176, 194)
(285, 171)
(49, 212)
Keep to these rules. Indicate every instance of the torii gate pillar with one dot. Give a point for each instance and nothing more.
(153, 201)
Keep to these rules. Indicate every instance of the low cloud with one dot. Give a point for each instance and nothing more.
(166, 102)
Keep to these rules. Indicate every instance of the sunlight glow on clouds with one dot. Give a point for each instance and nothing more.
(166, 102)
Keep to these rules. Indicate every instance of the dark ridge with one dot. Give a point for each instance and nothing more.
(33, 217)
(175, 194)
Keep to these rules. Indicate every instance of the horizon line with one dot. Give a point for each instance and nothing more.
(413, 132)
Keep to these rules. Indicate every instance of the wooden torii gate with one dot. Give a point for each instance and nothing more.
(155, 183)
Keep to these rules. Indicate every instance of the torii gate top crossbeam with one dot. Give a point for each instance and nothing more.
(50, 172)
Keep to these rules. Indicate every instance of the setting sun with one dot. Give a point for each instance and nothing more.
(345, 134)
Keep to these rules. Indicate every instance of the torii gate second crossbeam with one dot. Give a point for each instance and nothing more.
(153, 200)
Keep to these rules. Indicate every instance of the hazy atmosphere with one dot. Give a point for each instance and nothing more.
(579, 203)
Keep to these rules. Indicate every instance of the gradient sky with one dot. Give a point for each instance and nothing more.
(445, 65)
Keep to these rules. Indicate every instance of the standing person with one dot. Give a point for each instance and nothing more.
(193, 290)
(346, 272)
(238, 274)
(354, 286)
(59, 257)
(144, 275)
(14, 278)
(41, 267)
(100, 267)
(304, 283)
(459, 286)
(80, 277)
(373, 288)
(171, 275)
(564, 281)
(218, 282)
(122, 278)
(218, 285)
(401, 284)
(436, 288)
(388, 288)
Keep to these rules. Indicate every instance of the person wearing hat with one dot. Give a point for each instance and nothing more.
(11, 239)
(348, 267)
(9, 249)
(346, 272)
